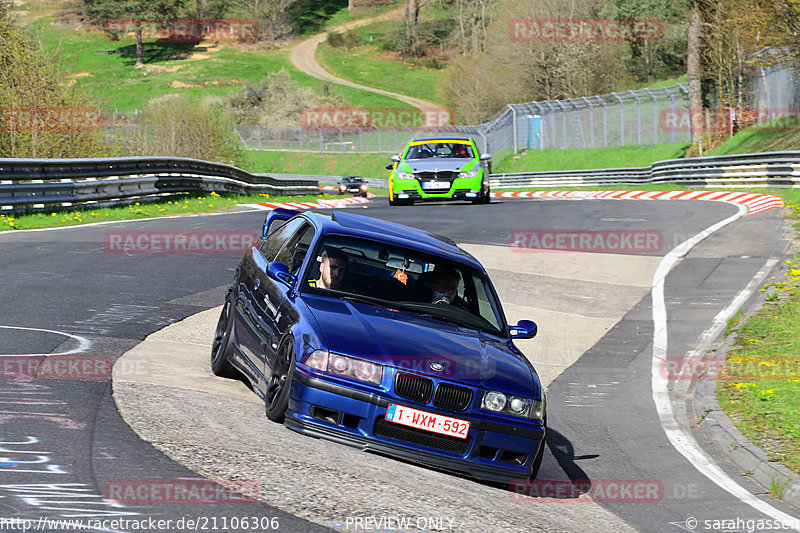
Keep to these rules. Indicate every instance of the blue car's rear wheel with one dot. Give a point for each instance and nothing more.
(280, 383)
(222, 341)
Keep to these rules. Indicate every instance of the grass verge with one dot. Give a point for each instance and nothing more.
(760, 383)
(588, 158)
(178, 204)
(366, 165)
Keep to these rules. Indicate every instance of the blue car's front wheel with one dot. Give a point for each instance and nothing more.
(280, 382)
(222, 340)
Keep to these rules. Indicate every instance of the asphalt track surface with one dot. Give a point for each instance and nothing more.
(63, 441)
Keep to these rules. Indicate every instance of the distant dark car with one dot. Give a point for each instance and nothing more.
(353, 185)
(383, 337)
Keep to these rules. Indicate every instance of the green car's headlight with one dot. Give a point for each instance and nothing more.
(405, 175)
(469, 174)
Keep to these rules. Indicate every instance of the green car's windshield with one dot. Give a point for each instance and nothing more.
(397, 277)
(440, 150)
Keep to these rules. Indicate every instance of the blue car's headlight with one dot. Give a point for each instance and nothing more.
(342, 365)
(469, 174)
(500, 402)
(405, 175)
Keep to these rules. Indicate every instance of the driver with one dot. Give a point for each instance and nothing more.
(445, 285)
(333, 264)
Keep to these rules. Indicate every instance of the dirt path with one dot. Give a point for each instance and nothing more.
(302, 57)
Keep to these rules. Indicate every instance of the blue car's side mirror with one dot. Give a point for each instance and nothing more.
(280, 272)
(525, 329)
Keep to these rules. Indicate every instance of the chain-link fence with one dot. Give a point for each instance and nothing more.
(643, 117)
(775, 89)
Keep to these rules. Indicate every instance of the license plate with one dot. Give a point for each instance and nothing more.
(435, 185)
(444, 425)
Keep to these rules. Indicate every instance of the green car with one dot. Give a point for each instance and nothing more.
(439, 168)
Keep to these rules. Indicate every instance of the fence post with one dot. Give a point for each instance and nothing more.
(591, 121)
(655, 116)
(514, 126)
(621, 119)
(638, 118)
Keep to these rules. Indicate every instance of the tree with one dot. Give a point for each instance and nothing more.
(694, 69)
(175, 125)
(474, 18)
(135, 12)
(39, 115)
(411, 15)
(273, 16)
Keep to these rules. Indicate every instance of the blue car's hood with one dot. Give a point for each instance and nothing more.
(406, 340)
(443, 164)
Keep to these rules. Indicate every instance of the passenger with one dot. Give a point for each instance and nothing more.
(333, 265)
(445, 286)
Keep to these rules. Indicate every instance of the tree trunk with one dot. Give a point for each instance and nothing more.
(139, 61)
(407, 16)
(693, 72)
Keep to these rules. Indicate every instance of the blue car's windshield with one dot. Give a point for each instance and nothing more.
(392, 276)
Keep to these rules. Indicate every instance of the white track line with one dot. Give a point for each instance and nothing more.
(683, 441)
(83, 343)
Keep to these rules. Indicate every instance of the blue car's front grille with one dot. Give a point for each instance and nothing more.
(451, 397)
(422, 438)
(413, 387)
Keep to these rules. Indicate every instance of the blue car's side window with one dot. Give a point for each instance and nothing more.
(274, 242)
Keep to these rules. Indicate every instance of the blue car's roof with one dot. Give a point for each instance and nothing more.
(343, 223)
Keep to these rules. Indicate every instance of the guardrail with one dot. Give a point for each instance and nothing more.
(30, 184)
(770, 169)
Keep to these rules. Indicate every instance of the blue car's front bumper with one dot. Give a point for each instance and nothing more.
(493, 451)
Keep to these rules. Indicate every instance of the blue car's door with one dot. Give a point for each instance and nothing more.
(278, 293)
(259, 300)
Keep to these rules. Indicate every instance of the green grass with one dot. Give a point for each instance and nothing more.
(368, 65)
(761, 382)
(759, 139)
(589, 158)
(343, 16)
(112, 81)
(366, 165)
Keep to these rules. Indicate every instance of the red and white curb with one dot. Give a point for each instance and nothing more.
(333, 203)
(755, 203)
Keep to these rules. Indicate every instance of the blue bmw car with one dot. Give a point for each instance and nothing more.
(383, 337)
